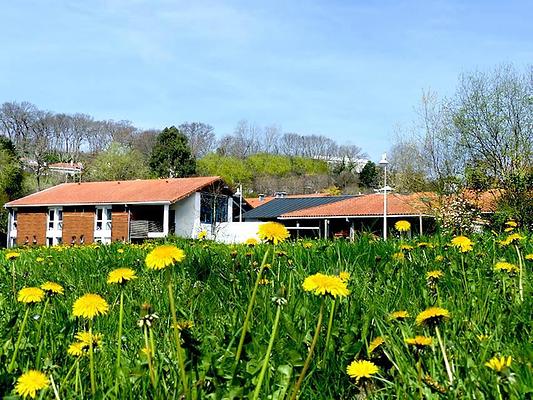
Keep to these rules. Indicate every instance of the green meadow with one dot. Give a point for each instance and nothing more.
(209, 357)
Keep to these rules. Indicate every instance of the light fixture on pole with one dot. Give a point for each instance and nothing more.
(383, 163)
(239, 193)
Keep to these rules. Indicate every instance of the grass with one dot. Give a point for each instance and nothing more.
(212, 288)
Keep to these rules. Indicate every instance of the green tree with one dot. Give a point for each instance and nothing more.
(117, 163)
(11, 178)
(171, 156)
(369, 176)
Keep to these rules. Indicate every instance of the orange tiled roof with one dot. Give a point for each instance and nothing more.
(369, 205)
(117, 192)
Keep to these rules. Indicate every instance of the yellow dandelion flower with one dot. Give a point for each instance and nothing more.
(423, 245)
(121, 275)
(359, 369)
(30, 295)
(529, 257)
(406, 247)
(30, 382)
(512, 239)
(374, 344)
(439, 258)
(164, 256)
(273, 232)
(511, 224)
(120, 251)
(399, 315)
(506, 266)
(145, 351)
(251, 241)
(85, 338)
(345, 276)
(432, 316)
(321, 284)
(39, 259)
(499, 364)
(463, 243)
(52, 288)
(398, 256)
(75, 349)
(483, 337)
(307, 245)
(264, 281)
(202, 234)
(434, 275)
(402, 226)
(184, 325)
(509, 229)
(419, 341)
(12, 255)
(89, 306)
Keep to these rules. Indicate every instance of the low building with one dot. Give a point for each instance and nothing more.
(77, 213)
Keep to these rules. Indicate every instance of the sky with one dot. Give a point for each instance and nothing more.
(350, 70)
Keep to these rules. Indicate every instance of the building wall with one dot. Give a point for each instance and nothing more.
(188, 216)
(30, 223)
(78, 222)
(120, 226)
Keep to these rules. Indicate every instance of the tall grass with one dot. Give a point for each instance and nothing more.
(212, 288)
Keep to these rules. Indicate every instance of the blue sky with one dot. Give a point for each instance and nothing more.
(350, 70)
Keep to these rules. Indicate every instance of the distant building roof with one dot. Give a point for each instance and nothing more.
(66, 167)
(421, 203)
(117, 192)
(258, 201)
(368, 205)
(279, 206)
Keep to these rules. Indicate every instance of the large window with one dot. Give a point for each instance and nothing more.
(102, 225)
(213, 208)
(54, 224)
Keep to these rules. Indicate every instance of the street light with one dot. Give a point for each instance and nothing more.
(384, 164)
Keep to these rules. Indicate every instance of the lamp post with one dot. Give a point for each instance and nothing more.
(384, 164)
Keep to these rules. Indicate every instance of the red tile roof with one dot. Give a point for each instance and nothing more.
(117, 192)
(369, 205)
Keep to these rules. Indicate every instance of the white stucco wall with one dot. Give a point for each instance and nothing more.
(235, 232)
(187, 215)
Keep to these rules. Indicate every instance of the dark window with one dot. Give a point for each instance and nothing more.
(213, 208)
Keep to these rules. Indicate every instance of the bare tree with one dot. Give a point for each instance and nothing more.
(201, 137)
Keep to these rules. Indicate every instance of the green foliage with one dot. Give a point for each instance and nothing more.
(171, 156)
(237, 170)
(232, 169)
(11, 178)
(118, 162)
(213, 286)
(369, 176)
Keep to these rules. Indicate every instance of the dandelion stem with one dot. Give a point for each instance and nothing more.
(309, 354)
(119, 337)
(520, 273)
(17, 345)
(13, 277)
(39, 352)
(149, 356)
(177, 338)
(267, 355)
(249, 311)
(330, 325)
(443, 350)
(152, 353)
(91, 358)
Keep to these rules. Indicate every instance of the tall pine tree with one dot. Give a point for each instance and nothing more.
(171, 155)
